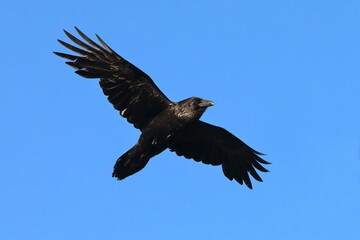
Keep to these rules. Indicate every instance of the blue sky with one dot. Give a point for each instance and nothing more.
(285, 79)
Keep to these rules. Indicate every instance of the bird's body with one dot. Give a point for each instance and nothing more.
(158, 135)
(163, 123)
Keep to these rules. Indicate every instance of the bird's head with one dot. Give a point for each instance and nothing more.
(192, 108)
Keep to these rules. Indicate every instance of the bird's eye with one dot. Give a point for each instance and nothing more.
(196, 105)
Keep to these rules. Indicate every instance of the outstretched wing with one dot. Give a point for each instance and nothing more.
(216, 146)
(129, 89)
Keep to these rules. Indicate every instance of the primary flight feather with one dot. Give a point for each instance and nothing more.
(163, 123)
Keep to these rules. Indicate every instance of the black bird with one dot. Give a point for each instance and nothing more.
(163, 123)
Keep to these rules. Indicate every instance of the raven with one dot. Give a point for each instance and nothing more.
(163, 123)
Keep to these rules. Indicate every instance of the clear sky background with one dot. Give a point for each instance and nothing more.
(285, 79)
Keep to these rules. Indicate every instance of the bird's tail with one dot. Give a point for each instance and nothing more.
(129, 163)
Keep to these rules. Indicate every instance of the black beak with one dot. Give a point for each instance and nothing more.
(206, 103)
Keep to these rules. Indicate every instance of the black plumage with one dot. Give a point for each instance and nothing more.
(163, 123)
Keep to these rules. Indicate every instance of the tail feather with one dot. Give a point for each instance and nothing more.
(129, 163)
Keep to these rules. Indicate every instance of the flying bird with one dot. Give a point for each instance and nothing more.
(162, 122)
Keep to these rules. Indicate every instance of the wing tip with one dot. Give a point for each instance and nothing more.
(66, 32)
(263, 161)
(78, 31)
(66, 56)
